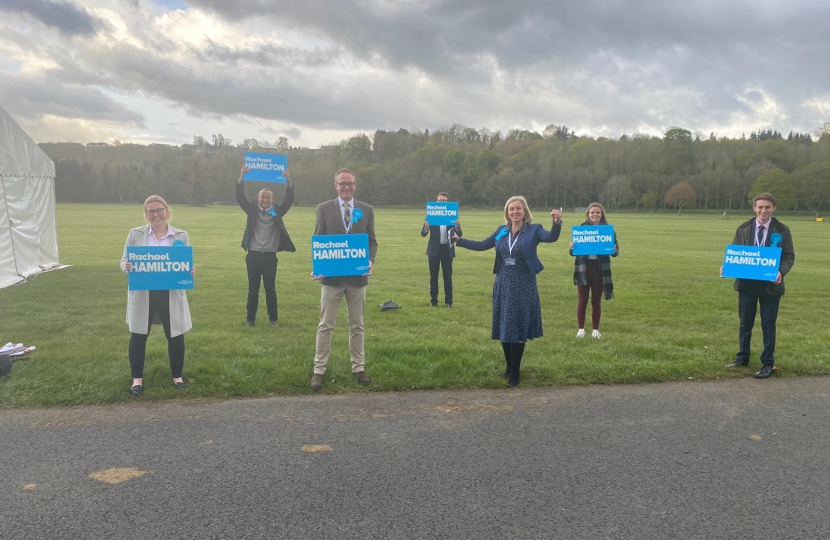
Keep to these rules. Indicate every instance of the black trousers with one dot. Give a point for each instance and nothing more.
(159, 303)
(445, 262)
(262, 265)
(753, 295)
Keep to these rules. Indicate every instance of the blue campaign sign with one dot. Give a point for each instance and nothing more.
(265, 167)
(160, 268)
(593, 239)
(751, 262)
(335, 255)
(442, 213)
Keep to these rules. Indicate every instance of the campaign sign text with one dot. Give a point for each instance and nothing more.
(335, 255)
(752, 262)
(160, 268)
(442, 213)
(265, 167)
(593, 239)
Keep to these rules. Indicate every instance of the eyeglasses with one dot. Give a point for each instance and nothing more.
(345, 184)
(155, 211)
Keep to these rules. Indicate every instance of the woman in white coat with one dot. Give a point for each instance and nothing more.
(168, 308)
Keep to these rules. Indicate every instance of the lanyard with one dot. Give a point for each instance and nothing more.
(511, 243)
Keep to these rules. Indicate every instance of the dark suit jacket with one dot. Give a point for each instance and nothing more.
(530, 239)
(745, 236)
(252, 207)
(329, 220)
(434, 243)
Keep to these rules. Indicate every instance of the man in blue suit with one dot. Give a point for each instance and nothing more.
(440, 251)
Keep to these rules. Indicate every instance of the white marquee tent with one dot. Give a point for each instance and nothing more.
(28, 236)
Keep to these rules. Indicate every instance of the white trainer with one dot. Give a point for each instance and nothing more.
(581, 333)
(595, 334)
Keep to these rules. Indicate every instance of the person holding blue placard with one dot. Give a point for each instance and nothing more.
(762, 230)
(440, 252)
(517, 310)
(592, 273)
(343, 215)
(145, 308)
(265, 236)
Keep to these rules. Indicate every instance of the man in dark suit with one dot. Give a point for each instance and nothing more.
(441, 252)
(265, 235)
(763, 230)
(343, 215)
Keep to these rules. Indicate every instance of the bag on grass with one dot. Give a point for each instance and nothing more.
(389, 304)
(5, 364)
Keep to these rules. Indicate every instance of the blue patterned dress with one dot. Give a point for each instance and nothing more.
(517, 311)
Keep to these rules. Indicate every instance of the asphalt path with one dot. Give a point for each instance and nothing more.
(723, 459)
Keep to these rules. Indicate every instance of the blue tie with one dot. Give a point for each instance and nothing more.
(760, 235)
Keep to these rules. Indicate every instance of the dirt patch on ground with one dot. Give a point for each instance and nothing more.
(116, 476)
(316, 448)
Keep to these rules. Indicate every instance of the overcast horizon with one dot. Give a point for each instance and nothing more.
(317, 72)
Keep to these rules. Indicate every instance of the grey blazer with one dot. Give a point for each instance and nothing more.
(138, 302)
(329, 220)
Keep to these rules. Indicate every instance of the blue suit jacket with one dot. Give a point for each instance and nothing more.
(534, 234)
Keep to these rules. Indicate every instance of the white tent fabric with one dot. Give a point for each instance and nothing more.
(28, 235)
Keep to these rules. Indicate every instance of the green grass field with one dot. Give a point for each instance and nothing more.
(672, 317)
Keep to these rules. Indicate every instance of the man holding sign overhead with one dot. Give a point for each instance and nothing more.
(343, 216)
(761, 231)
(265, 235)
(441, 222)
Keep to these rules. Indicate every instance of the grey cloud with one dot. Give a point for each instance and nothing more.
(293, 133)
(269, 55)
(35, 98)
(68, 18)
(298, 98)
(723, 41)
(614, 65)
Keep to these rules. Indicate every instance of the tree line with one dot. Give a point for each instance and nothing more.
(478, 167)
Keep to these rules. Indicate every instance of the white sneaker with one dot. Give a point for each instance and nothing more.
(581, 333)
(595, 334)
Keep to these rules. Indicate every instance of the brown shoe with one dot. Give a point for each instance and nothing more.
(317, 381)
(249, 324)
(274, 324)
(362, 379)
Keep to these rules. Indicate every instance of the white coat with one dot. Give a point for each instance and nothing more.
(138, 302)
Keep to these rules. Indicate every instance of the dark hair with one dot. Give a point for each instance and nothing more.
(602, 219)
(344, 170)
(764, 196)
(444, 194)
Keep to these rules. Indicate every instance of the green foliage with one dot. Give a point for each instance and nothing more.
(478, 166)
(779, 184)
(649, 200)
(454, 162)
(677, 135)
(653, 330)
(812, 185)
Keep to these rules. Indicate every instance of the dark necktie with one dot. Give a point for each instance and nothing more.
(347, 215)
(760, 235)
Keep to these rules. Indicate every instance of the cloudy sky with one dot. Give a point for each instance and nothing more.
(317, 71)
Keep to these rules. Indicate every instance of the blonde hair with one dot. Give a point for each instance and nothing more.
(158, 199)
(528, 216)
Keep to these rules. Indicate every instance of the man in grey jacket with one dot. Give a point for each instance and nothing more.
(265, 236)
